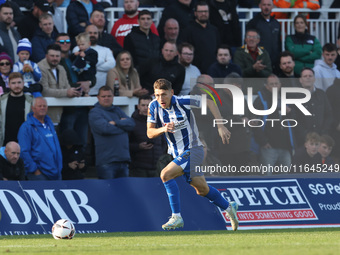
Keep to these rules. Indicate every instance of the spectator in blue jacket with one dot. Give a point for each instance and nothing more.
(110, 127)
(43, 37)
(39, 144)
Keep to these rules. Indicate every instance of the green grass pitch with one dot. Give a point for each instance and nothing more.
(323, 241)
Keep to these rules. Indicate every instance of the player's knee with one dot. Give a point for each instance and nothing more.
(202, 191)
(165, 176)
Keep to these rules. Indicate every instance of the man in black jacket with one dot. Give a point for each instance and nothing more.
(276, 141)
(144, 151)
(203, 36)
(141, 42)
(166, 67)
(321, 118)
(11, 165)
(269, 29)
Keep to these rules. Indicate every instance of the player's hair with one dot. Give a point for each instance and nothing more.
(329, 47)
(313, 137)
(286, 54)
(105, 88)
(162, 84)
(15, 75)
(327, 140)
(185, 45)
(83, 36)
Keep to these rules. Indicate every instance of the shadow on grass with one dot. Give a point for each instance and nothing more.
(180, 233)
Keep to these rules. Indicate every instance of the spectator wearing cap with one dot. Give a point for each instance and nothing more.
(28, 25)
(29, 69)
(6, 65)
(8, 35)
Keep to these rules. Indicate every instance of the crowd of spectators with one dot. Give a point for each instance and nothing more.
(196, 44)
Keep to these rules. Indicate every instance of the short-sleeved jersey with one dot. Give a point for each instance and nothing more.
(186, 134)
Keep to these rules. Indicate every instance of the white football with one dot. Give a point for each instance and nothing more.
(63, 229)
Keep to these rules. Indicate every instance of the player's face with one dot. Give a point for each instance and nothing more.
(12, 154)
(16, 86)
(223, 56)
(325, 150)
(312, 148)
(287, 64)
(143, 106)
(163, 97)
(105, 98)
(329, 57)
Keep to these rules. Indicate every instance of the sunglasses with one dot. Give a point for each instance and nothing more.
(64, 41)
(5, 64)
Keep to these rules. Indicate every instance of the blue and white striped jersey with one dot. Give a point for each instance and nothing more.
(186, 132)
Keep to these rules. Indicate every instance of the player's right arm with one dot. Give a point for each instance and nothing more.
(153, 132)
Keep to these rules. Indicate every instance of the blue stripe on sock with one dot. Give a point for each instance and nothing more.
(173, 194)
(216, 198)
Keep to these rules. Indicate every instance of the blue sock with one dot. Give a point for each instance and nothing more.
(216, 198)
(173, 194)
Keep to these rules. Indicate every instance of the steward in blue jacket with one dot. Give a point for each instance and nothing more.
(40, 147)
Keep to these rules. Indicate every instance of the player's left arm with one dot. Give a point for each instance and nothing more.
(223, 132)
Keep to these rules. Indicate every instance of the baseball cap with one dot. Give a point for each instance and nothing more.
(42, 5)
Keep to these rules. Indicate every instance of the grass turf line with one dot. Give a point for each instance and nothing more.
(255, 242)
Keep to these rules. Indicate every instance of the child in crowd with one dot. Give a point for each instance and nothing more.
(85, 59)
(325, 149)
(308, 155)
(73, 155)
(29, 70)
